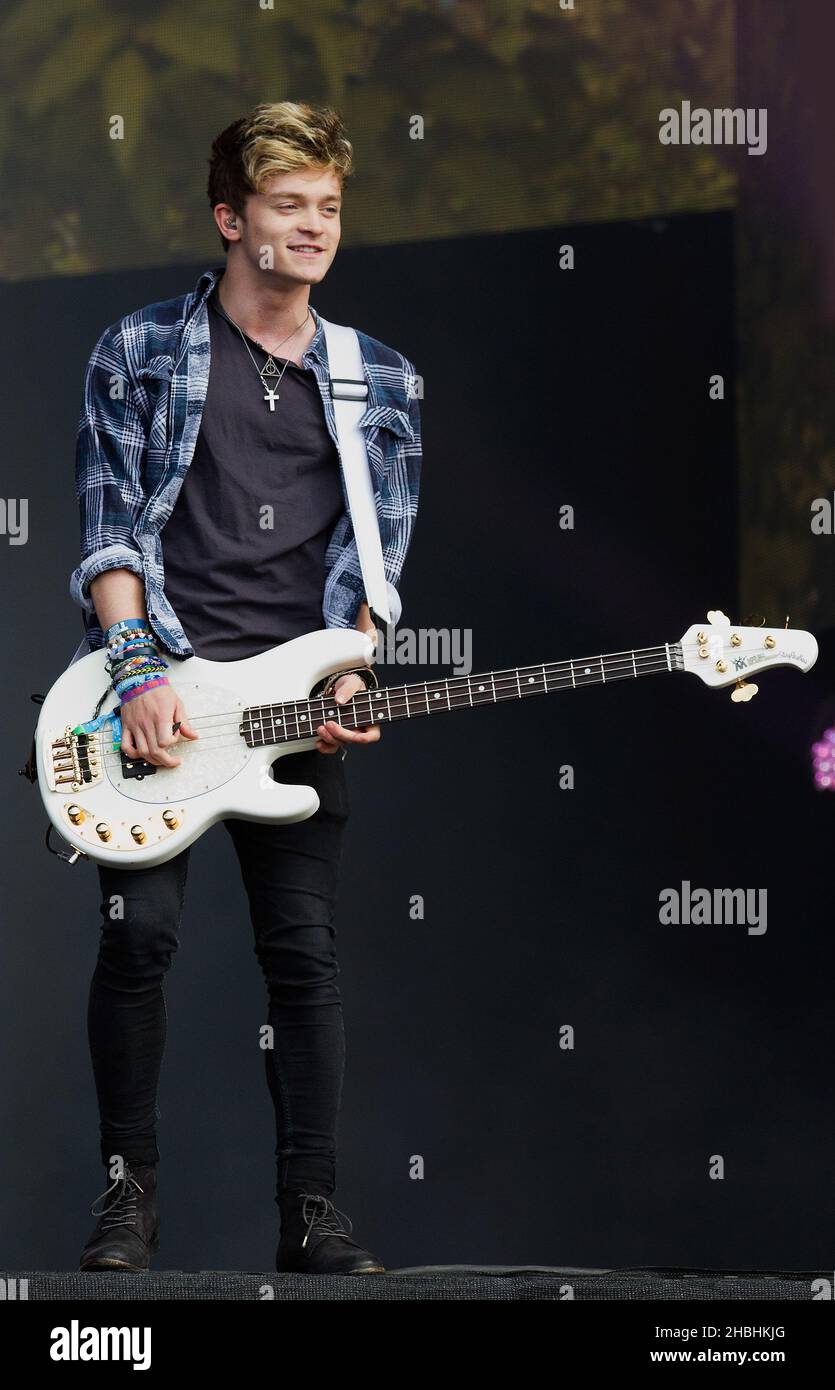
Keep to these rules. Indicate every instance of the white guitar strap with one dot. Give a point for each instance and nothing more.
(349, 391)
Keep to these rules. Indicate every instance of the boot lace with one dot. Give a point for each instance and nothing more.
(122, 1210)
(323, 1217)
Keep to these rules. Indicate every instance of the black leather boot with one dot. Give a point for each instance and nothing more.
(314, 1241)
(127, 1232)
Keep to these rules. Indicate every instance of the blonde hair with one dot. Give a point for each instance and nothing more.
(274, 138)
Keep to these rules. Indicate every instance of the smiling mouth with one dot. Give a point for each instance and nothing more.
(307, 250)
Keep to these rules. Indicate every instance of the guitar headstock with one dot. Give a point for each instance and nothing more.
(721, 653)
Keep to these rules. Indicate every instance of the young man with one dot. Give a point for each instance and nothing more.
(199, 411)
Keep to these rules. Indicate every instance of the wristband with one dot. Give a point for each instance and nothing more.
(127, 625)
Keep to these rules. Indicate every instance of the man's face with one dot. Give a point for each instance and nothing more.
(298, 217)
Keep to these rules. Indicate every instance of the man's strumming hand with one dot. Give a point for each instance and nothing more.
(147, 726)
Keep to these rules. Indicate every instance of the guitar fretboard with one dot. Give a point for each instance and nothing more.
(294, 720)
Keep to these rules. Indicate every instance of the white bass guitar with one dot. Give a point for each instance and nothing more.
(116, 810)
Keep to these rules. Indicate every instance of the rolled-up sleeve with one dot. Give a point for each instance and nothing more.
(110, 448)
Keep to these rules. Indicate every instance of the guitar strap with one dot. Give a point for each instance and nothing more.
(349, 392)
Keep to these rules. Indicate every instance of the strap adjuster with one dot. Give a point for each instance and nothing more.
(351, 390)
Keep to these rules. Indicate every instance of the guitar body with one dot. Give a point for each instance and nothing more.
(123, 813)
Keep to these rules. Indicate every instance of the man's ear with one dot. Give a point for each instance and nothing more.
(228, 221)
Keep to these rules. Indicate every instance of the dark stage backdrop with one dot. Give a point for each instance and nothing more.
(586, 388)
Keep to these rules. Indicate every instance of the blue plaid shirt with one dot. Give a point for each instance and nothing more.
(144, 391)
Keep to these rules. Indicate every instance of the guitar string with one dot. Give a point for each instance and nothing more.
(456, 685)
(510, 672)
(399, 705)
(212, 741)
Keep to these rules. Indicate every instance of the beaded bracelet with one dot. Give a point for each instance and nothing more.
(128, 630)
(122, 623)
(131, 649)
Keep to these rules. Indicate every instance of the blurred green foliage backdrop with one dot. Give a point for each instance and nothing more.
(533, 115)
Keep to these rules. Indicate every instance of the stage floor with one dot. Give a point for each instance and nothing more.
(433, 1283)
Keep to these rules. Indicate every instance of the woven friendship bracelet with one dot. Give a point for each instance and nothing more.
(142, 668)
(133, 681)
(142, 689)
(132, 663)
(134, 659)
(126, 680)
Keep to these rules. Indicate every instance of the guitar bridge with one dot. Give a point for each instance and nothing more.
(74, 761)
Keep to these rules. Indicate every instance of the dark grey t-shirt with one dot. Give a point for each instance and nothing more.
(238, 585)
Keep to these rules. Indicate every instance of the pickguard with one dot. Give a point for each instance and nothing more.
(210, 761)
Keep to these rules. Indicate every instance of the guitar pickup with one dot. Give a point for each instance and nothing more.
(135, 767)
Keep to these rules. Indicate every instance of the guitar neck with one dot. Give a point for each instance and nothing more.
(294, 720)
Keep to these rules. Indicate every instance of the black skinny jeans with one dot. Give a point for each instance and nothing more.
(291, 876)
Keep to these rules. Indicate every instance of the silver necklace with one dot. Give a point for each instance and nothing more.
(270, 368)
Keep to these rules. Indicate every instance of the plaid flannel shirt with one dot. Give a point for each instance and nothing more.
(144, 391)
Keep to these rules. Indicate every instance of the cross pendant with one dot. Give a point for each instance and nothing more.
(272, 396)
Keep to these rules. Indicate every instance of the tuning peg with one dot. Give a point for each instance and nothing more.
(717, 618)
(743, 692)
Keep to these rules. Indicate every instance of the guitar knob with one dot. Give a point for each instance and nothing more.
(103, 830)
(75, 814)
(170, 820)
(138, 834)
